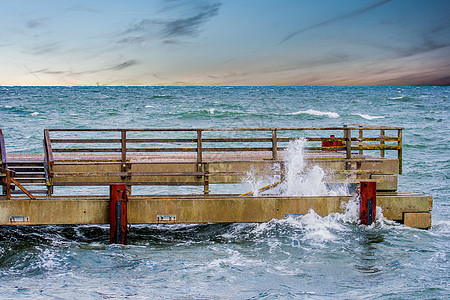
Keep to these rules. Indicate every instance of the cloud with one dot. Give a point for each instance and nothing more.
(44, 49)
(415, 43)
(117, 67)
(81, 8)
(32, 24)
(336, 19)
(123, 65)
(189, 24)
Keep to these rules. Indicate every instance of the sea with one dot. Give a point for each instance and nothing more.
(303, 257)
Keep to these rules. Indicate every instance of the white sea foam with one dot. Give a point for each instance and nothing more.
(317, 113)
(310, 229)
(35, 113)
(233, 258)
(441, 226)
(299, 179)
(368, 117)
(211, 111)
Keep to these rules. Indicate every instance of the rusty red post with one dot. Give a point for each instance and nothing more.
(118, 227)
(367, 202)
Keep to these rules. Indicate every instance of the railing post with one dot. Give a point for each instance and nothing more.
(8, 184)
(2, 149)
(382, 136)
(118, 227)
(3, 166)
(124, 150)
(199, 151)
(274, 144)
(348, 145)
(206, 190)
(367, 202)
(361, 135)
(400, 153)
(48, 158)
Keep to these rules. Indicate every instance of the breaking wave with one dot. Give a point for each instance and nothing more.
(368, 117)
(317, 113)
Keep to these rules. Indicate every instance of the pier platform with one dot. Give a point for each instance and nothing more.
(203, 157)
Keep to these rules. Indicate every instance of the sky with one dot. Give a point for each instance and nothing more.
(224, 43)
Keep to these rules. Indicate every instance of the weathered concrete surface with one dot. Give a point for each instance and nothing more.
(196, 209)
(395, 204)
(418, 220)
(385, 182)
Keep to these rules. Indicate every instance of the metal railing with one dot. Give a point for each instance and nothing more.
(7, 175)
(251, 139)
(2, 150)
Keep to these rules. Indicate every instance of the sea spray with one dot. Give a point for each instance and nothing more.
(300, 179)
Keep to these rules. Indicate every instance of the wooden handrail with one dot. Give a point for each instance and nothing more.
(48, 148)
(3, 149)
(197, 141)
(10, 180)
(201, 144)
(350, 126)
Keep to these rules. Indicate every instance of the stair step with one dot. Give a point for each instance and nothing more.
(19, 165)
(25, 162)
(19, 192)
(28, 183)
(20, 174)
(27, 169)
(36, 192)
(23, 179)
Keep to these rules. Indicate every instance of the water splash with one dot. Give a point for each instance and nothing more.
(300, 179)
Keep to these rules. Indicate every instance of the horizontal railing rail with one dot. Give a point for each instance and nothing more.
(349, 141)
(199, 143)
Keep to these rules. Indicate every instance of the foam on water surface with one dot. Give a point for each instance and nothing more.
(308, 256)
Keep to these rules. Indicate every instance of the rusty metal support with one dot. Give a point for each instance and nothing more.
(8, 184)
(9, 180)
(118, 213)
(367, 202)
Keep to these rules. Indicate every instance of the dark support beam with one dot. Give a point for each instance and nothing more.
(118, 214)
(367, 202)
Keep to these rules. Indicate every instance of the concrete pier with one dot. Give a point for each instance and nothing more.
(182, 157)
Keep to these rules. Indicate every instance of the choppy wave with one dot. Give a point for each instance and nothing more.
(401, 98)
(317, 113)
(299, 257)
(368, 117)
(162, 96)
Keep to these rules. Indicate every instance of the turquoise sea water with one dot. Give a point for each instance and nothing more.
(310, 257)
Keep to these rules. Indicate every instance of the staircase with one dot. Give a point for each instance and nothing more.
(31, 175)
